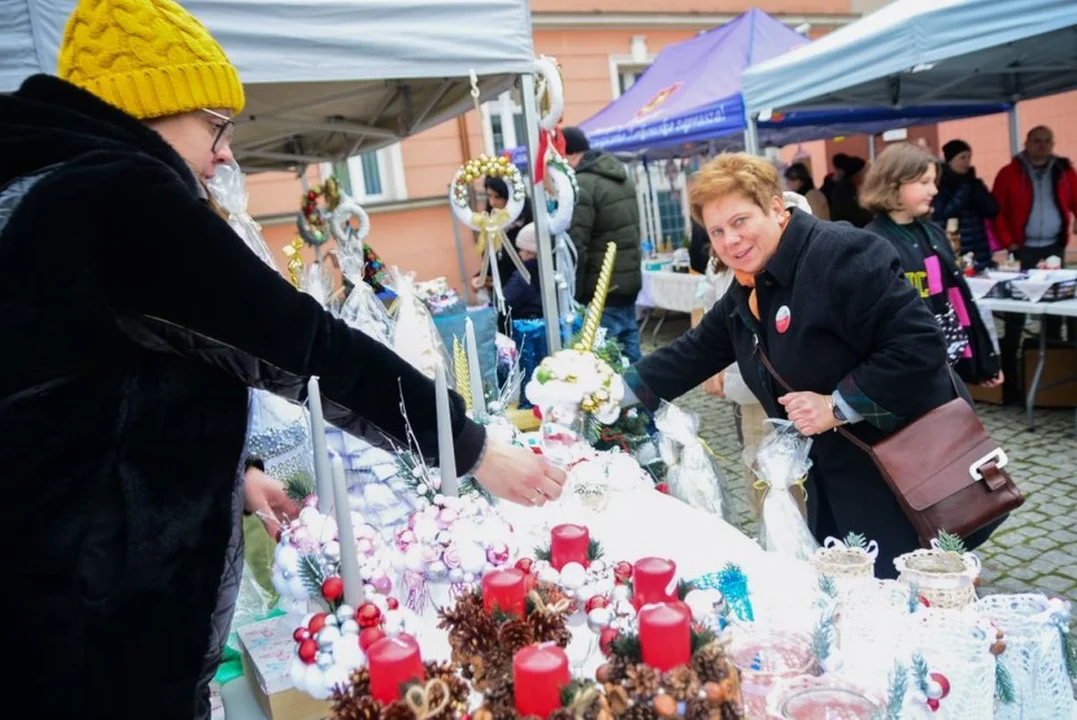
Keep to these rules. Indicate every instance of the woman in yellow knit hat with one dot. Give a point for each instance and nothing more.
(123, 398)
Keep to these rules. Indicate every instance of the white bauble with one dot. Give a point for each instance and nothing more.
(398, 562)
(347, 653)
(332, 551)
(297, 673)
(328, 636)
(279, 583)
(287, 558)
(456, 575)
(297, 589)
(426, 530)
(309, 516)
(472, 559)
(413, 558)
(315, 683)
(336, 676)
(625, 607)
(349, 627)
(344, 613)
(548, 575)
(599, 618)
(598, 567)
(393, 622)
(934, 687)
(573, 575)
(620, 593)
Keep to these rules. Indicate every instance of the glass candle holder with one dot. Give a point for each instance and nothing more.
(828, 704)
(763, 659)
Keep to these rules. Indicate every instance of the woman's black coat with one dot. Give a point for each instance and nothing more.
(857, 326)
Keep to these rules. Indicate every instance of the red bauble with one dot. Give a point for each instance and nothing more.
(605, 640)
(301, 634)
(392, 603)
(933, 704)
(368, 615)
(312, 196)
(333, 588)
(317, 623)
(942, 681)
(924, 601)
(596, 601)
(622, 572)
(369, 636)
(308, 649)
(662, 488)
(524, 565)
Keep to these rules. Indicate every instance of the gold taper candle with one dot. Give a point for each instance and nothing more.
(460, 372)
(598, 302)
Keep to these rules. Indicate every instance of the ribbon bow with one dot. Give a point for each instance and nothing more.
(491, 240)
(561, 606)
(761, 484)
(582, 701)
(418, 699)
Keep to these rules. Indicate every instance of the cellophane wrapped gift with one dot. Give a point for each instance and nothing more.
(229, 189)
(692, 473)
(780, 463)
(362, 309)
(416, 338)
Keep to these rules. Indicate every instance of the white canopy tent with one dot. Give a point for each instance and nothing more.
(327, 79)
(918, 52)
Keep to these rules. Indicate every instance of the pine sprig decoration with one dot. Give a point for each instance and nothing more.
(683, 588)
(921, 670)
(1069, 648)
(701, 637)
(856, 540)
(1004, 689)
(822, 638)
(299, 487)
(899, 685)
(951, 543)
(311, 574)
(826, 585)
(594, 550)
(627, 648)
(913, 600)
(543, 553)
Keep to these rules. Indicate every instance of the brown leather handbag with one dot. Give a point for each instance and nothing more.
(944, 469)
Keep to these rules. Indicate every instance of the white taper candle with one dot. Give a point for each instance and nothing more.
(446, 454)
(478, 394)
(349, 557)
(323, 482)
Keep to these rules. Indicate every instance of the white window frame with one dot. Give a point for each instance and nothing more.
(390, 170)
(506, 109)
(621, 64)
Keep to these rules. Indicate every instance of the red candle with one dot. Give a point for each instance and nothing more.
(568, 543)
(665, 636)
(652, 581)
(505, 590)
(539, 672)
(393, 661)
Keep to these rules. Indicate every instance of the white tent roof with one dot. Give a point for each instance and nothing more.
(916, 52)
(325, 79)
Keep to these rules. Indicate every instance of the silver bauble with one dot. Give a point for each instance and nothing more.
(325, 660)
(349, 627)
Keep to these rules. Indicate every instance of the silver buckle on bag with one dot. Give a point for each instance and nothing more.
(997, 456)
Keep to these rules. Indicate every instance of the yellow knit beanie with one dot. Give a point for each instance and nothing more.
(150, 58)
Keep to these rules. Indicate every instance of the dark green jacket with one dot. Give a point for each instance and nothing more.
(607, 210)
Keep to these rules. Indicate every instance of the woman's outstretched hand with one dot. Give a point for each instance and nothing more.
(516, 474)
(810, 412)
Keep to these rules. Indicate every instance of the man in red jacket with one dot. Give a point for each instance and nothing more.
(1037, 198)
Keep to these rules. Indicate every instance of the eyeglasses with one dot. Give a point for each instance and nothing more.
(225, 128)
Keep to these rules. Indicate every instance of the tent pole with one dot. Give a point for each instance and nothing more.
(542, 231)
(751, 135)
(465, 285)
(1015, 130)
(871, 148)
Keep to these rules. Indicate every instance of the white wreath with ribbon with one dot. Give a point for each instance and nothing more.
(550, 92)
(566, 192)
(491, 225)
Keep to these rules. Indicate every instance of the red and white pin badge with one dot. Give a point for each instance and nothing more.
(781, 320)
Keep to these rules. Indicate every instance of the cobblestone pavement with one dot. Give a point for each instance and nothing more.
(1036, 549)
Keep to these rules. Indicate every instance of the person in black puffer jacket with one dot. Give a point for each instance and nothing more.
(607, 210)
(964, 196)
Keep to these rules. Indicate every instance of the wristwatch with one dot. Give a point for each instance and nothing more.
(836, 410)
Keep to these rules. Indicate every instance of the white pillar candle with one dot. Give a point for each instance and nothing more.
(446, 455)
(323, 482)
(349, 558)
(478, 396)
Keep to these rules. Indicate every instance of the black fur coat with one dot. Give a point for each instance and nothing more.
(133, 320)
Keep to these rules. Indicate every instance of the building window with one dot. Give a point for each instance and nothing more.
(503, 124)
(627, 77)
(671, 216)
(371, 177)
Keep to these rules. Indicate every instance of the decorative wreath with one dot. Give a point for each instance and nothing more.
(566, 189)
(312, 221)
(550, 92)
(340, 221)
(486, 166)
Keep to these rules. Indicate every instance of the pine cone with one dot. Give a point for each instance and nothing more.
(549, 627)
(618, 669)
(515, 635)
(561, 714)
(642, 682)
(459, 690)
(682, 683)
(397, 710)
(697, 709)
(468, 625)
(617, 698)
(500, 700)
(640, 711)
(355, 708)
(712, 665)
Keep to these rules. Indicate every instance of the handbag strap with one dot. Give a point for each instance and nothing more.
(789, 388)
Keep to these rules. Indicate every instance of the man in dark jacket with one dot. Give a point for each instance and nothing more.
(607, 210)
(135, 324)
(964, 196)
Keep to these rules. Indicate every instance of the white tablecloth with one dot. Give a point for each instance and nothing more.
(668, 290)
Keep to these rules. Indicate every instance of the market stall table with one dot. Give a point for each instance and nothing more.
(1062, 308)
(667, 291)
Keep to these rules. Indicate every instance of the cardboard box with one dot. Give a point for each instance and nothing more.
(1058, 384)
(267, 652)
(991, 396)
